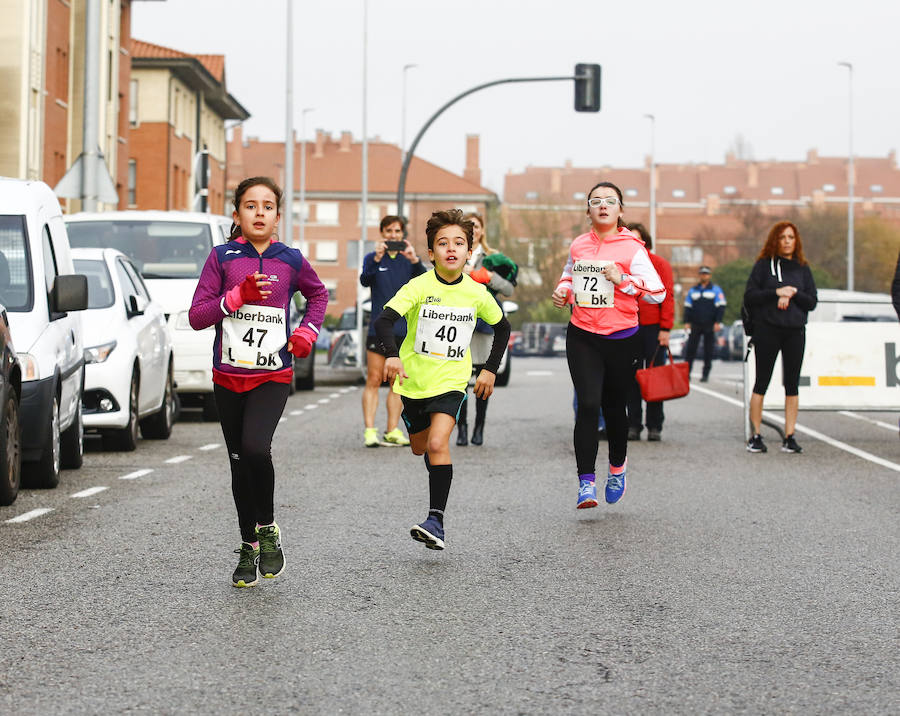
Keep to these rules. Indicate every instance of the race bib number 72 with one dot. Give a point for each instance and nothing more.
(252, 337)
(592, 288)
(444, 331)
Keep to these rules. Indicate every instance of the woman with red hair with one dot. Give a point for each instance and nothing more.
(780, 294)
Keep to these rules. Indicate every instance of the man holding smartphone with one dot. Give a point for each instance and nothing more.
(384, 271)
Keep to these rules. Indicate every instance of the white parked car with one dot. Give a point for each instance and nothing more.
(44, 300)
(169, 249)
(129, 372)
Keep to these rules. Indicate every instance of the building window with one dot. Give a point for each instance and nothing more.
(133, 103)
(352, 257)
(326, 213)
(691, 255)
(132, 182)
(532, 195)
(828, 187)
(631, 192)
(301, 211)
(331, 285)
(579, 196)
(678, 193)
(326, 251)
(876, 188)
(373, 214)
(730, 190)
(777, 190)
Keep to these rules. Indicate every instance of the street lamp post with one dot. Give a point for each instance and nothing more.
(288, 218)
(403, 114)
(850, 176)
(652, 177)
(364, 183)
(303, 114)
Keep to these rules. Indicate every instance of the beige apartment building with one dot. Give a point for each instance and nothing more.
(333, 209)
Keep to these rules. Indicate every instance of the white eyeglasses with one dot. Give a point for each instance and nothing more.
(601, 200)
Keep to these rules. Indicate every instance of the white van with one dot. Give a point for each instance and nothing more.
(169, 248)
(42, 295)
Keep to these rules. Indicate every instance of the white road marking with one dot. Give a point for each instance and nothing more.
(24, 517)
(345, 390)
(879, 423)
(211, 446)
(296, 412)
(136, 474)
(539, 373)
(322, 401)
(335, 395)
(178, 458)
(90, 491)
(807, 431)
(311, 406)
(282, 420)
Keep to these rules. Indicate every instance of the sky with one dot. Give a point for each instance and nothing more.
(710, 72)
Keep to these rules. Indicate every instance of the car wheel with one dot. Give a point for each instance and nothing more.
(307, 382)
(158, 426)
(71, 443)
(45, 472)
(210, 409)
(10, 451)
(503, 378)
(125, 439)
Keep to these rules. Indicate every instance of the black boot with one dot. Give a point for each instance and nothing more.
(462, 433)
(478, 433)
(480, 413)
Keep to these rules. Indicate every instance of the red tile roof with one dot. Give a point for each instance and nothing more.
(214, 64)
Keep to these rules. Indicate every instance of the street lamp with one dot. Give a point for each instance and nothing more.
(403, 113)
(288, 218)
(303, 114)
(652, 178)
(850, 176)
(364, 182)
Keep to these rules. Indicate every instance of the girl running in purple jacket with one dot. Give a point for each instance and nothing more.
(245, 291)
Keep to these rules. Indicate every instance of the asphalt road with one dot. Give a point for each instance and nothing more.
(723, 582)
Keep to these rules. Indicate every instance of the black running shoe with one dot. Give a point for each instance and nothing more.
(790, 445)
(756, 444)
(245, 575)
(271, 556)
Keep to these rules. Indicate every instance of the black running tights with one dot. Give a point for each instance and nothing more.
(602, 370)
(767, 342)
(248, 424)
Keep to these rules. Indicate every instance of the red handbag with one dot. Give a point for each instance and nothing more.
(664, 382)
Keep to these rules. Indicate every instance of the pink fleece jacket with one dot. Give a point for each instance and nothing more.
(639, 280)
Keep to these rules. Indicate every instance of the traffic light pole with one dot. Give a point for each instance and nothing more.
(401, 189)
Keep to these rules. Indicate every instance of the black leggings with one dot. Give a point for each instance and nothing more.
(602, 370)
(248, 424)
(766, 344)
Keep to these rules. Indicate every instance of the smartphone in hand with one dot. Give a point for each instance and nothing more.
(395, 246)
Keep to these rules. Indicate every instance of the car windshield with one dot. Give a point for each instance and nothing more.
(16, 291)
(100, 288)
(160, 249)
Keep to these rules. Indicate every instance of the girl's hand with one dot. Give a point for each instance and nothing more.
(560, 297)
(612, 273)
(393, 368)
(484, 384)
(783, 302)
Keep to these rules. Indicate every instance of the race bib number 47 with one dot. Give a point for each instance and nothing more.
(252, 337)
(444, 331)
(592, 288)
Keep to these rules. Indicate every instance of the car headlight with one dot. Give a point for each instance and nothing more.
(30, 369)
(98, 354)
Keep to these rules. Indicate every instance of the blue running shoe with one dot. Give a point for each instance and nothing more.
(430, 532)
(587, 494)
(615, 487)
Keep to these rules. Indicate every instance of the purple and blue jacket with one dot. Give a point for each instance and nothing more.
(226, 267)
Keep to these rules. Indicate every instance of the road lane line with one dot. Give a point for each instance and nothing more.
(24, 517)
(879, 423)
(178, 458)
(335, 395)
(211, 446)
(808, 431)
(322, 401)
(296, 412)
(135, 474)
(90, 491)
(311, 406)
(539, 373)
(282, 420)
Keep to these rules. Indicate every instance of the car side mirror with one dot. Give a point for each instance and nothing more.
(69, 293)
(136, 306)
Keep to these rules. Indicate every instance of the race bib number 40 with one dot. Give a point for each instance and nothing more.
(444, 331)
(592, 288)
(252, 336)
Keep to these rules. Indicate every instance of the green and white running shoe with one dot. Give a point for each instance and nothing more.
(395, 438)
(371, 437)
(245, 575)
(271, 556)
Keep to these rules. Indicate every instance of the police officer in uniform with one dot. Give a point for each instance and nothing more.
(704, 307)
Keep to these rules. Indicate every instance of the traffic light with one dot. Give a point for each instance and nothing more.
(587, 88)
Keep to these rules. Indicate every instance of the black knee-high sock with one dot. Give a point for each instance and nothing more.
(439, 478)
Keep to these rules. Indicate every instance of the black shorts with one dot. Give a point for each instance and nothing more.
(417, 411)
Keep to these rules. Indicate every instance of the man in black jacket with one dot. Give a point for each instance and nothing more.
(704, 307)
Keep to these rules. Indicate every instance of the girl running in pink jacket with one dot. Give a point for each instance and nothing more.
(607, 273)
